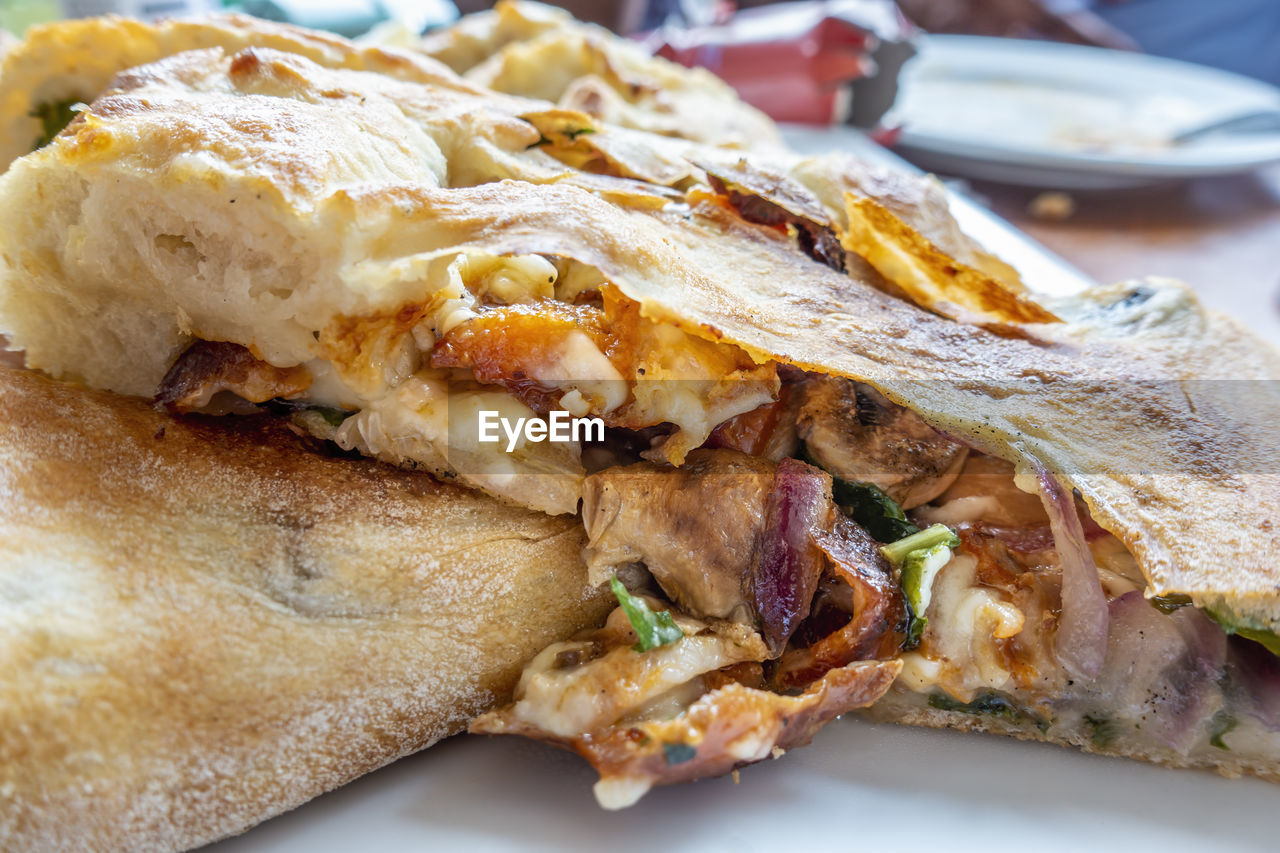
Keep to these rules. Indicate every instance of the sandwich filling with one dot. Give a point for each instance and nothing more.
(786, 546)
(872, 545)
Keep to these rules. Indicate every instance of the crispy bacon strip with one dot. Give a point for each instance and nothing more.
(748, 432)
(778, 201)
(726, 728)
(208, 367)
(785, 573)
(768, 431)
(875, 629)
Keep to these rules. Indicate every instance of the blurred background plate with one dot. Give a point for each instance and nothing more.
(1070, 117)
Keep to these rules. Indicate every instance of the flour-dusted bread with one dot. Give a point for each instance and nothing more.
(204, 624)
(61, 64)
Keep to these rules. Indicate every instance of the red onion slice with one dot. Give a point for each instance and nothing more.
(1082, 625)
(1256, 674)
(785, 575)
(1162, 670)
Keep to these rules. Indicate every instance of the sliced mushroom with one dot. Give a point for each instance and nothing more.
(854, 433)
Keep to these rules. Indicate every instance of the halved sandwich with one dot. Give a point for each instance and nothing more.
(847, 458)
(207, 624)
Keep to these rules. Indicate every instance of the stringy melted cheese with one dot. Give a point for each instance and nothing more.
(656, 684)
(960, 653)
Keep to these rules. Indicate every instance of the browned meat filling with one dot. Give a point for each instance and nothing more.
(768, 431)
(697, 527)
(779, 202)
(731, 536)
(210, 367)
(859, 581)
(851, 430)
(788, 611)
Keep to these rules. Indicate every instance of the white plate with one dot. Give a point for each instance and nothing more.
(857, 787)
(1056, 115)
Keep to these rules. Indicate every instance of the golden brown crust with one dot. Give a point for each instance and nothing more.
(1166, 417)
(474, 38)
(538, 51)
(1168, 425)
(77, 58)
(206, 625)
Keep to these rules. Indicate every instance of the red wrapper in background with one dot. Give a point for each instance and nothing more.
(816, 62)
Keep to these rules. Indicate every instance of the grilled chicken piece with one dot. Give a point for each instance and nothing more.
(726, 536)
(851, 430)
(695, 527)
(208, 367)
(542, 350)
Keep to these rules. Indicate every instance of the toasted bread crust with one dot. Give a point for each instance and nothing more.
(206, 624)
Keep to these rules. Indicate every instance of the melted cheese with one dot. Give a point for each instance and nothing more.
(962, 654)
(580, 366)
(408, 414)
(572, 701)
(966, 619)
(620, 792)
(960, 511)
(517, 279)
(422, 423)
(696, 385)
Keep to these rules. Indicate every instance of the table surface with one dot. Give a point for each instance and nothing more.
(1219, 235)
